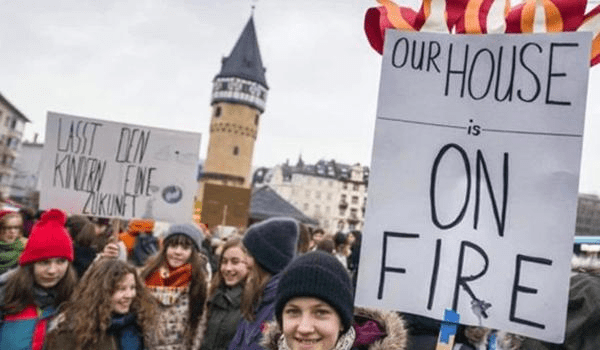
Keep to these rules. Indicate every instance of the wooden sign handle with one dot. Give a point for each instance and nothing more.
(448, 330)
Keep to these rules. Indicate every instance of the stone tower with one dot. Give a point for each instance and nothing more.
(238, 99)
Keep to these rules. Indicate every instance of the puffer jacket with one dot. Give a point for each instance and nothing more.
(224, 315)
(27, 329)
(375, 330)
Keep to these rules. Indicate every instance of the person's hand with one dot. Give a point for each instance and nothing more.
(111, 250)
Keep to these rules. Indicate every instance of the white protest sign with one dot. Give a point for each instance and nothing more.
(474, 178)
(108, 169)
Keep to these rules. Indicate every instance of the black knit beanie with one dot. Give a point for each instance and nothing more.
(272, 243)
(320, 275)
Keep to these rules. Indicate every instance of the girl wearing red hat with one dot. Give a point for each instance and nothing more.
(30, 294)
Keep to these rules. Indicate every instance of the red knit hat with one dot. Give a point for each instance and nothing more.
(5, 212)
(48, 239)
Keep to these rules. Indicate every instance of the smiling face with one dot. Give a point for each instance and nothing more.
(234, 267)
(310, 324)
(124, 294)
(178, 255)
(11, 228)
(47, 273)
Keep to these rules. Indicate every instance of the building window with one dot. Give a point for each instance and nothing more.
(236, 150)
(307, 193)
(356, 187)
(318, 195)
(13, 124)
(327, 210)
(305, 207)
(345, 186)
(342, 211)
(246, 88)
(329, 196)
(343, 197)
(217, 111)
(7, 121)
(256, 117)
(317, 209)
(340, 225)
(354, 199)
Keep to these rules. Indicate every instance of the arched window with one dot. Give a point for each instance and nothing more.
(256, 119)
(218, 112)
(236, 150)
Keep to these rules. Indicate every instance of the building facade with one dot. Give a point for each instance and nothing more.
(334, 194)
(588, 215)
(12, 126)
(238, 100)
(25, 188)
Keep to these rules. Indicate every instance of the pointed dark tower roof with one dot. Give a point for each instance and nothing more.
(245, 61)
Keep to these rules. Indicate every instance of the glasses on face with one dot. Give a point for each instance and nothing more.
(8, 228)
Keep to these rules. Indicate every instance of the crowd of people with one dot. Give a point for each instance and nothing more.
(80, 283)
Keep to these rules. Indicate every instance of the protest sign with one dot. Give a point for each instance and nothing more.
(474, 178)
(108, 169)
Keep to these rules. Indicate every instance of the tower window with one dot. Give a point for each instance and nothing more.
(256, 119)
(236, 150)
(246, 88)
(218, 112)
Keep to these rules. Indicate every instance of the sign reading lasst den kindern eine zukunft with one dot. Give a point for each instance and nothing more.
(475, 171)
(108, 169)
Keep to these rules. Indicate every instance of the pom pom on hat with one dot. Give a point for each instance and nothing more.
(319, 275)
(48, 239)
(272, 243)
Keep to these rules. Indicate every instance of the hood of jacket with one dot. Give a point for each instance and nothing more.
(394, 334)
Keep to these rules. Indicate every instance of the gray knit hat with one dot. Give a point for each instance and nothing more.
(189, 230)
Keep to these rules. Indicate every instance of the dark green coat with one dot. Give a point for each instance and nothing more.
(223, 317)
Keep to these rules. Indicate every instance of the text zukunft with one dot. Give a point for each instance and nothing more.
(483, 73)
(474, 175)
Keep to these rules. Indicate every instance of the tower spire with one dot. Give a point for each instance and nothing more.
(242, 75)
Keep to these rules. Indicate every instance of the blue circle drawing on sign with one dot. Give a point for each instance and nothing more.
(172, 194)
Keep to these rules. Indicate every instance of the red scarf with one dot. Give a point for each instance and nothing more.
(165, 276)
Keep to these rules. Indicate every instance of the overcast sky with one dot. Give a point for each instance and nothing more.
(152, 62)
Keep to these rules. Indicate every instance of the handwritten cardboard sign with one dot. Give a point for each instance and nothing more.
(102, 168)
(473, 188)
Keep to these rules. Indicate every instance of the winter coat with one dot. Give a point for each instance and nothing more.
(249, 333)
(374, 329)
(27, 329)
(173, 320)
(122, 334)
(224, 315)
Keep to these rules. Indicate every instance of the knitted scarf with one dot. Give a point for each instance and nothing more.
(9, 254)
(127, 332)
(165, 276)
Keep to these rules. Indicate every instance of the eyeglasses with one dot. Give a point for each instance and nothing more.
(8, 228)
